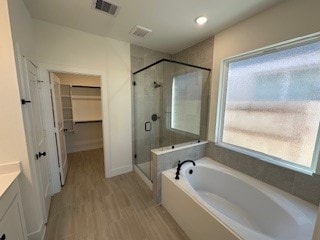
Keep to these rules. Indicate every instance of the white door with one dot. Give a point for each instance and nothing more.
(35, 110)
(59, 127)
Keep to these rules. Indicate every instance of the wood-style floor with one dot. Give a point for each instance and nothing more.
(90, 207)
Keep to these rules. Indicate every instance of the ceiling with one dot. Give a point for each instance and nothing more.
(172, 21)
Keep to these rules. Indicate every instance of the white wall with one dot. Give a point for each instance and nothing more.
(65, 47)
(57, 45)
(85, 137)
(12, 137)
(12, 132)
(285, 21)
(76, 79)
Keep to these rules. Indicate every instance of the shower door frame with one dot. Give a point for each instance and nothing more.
(154, 94)
(134, 84)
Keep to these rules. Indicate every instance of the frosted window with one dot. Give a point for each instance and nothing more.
(272, 103)
(186, 102)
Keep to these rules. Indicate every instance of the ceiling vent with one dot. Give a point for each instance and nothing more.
(140, 31)
(107, 7)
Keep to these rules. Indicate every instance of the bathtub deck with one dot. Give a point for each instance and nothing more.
(226, 204)
(92, 207)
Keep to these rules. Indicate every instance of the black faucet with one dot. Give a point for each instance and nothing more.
(180, 165)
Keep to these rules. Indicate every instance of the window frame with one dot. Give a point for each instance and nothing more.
(223, 79)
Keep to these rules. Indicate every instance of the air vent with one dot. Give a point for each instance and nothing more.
(107, 7)
(140, 31)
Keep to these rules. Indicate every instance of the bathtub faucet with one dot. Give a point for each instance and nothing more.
(180, 165)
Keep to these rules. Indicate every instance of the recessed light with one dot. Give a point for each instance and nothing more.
(201, 20)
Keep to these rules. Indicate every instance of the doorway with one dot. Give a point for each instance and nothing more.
(95, 124)
(77, 111)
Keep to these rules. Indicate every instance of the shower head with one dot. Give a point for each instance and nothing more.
(156, 85)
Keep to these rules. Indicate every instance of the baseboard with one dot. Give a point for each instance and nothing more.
(86, 145)
(143, 177)
(39, 234)
(118, 171)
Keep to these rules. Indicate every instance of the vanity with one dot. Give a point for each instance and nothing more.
(12, 223)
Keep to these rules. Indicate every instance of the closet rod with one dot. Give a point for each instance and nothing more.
(92, 121)
(81, 86)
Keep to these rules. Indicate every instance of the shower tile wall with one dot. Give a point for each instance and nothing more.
(298, 184)
(162, 134)
(200, 54)
(142, 57)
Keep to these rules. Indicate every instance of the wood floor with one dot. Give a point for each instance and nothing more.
(90, 207)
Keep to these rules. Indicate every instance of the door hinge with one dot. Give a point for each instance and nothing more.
(23, 101)
(134, 83)
(135, 156)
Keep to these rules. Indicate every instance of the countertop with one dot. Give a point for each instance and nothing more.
(8, 173)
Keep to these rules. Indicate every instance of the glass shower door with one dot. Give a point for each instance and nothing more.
(147, 97)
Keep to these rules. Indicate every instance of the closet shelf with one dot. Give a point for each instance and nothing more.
(86, 97)
(66, 96)
(69, 108)
(68, 120)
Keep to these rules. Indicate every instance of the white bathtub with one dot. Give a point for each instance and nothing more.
(216, 202)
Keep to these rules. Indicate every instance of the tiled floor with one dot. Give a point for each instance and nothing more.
(90, 207)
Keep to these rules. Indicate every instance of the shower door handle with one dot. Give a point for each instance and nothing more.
(147, 126)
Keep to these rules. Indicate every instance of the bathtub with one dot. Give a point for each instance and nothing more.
(217, 202)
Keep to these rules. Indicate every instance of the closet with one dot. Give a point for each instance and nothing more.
(78, 101)
(82, 112)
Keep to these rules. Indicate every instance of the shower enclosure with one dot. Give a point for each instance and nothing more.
(170, 107)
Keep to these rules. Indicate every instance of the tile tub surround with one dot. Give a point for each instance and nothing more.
(301, 185)
(165, 158)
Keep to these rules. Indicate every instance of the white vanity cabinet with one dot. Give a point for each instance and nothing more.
(12, 225)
